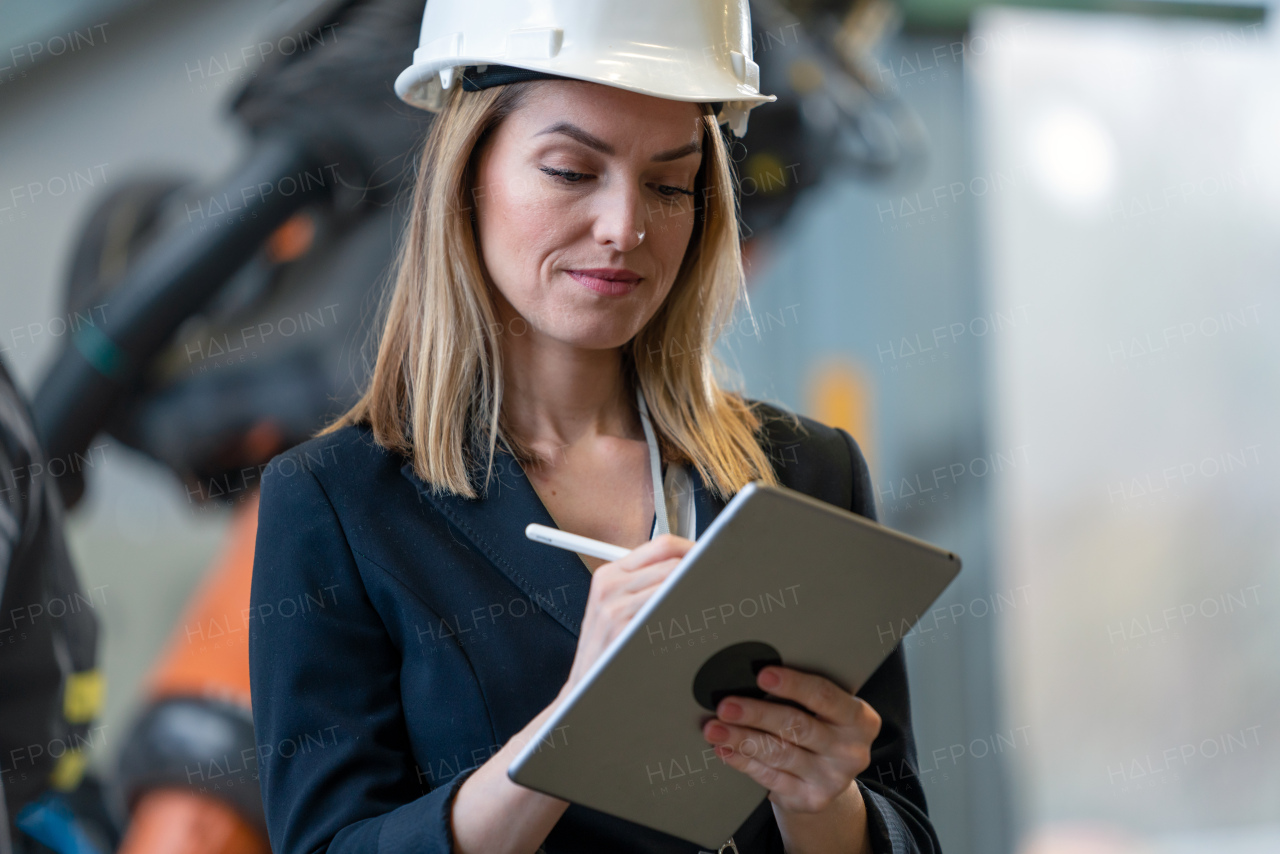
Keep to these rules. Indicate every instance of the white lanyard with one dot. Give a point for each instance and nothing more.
(655, 469)
(660, 510)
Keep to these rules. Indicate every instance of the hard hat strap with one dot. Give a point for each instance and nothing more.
(498, 75)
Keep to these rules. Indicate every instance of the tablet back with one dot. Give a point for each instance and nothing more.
(777, 576)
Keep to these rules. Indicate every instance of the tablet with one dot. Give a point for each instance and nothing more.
(778, 577)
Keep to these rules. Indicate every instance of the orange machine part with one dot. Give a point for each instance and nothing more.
(208, 653)
(172, 821)
(207, 656)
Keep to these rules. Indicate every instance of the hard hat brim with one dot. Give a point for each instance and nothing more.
(412, 85)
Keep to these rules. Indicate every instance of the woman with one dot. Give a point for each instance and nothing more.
(570, 226)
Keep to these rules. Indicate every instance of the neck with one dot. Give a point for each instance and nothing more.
(556, 395)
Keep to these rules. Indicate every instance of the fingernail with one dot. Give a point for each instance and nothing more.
(716, 732)
(730, 710)
(769, 679)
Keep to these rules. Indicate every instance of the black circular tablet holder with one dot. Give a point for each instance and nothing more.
(732, 672)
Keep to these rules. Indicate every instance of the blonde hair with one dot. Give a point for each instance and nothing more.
(437, 382)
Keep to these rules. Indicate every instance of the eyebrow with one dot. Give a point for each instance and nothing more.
(594, 142)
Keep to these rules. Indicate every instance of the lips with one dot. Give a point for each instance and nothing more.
(611, 281)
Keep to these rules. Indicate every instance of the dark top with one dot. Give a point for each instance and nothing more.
(48, 626)
(398, 639)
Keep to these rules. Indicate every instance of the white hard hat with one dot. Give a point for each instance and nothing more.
(684, 50)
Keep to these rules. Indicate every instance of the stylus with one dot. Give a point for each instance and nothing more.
(573, 542)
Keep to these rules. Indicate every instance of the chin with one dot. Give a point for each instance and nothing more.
(599, 326)
(602, 341)
(600, 335)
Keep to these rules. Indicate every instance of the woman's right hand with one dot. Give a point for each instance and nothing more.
(618, 590)
(490, 812)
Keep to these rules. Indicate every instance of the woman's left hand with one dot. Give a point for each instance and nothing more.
(808, 762)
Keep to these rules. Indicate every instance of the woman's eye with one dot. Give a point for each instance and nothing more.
(569, 176)
(673, 192)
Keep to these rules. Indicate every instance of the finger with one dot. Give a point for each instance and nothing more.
(786, 722)
(625, 610)
(784, 788)
(796, 779)
(662, 547)
(632, 603)
(608, 584)
(748, 761)
(765, 748)
(651, 576)
(659, 548)
(608, 579)
(624, 602)
(820, 695)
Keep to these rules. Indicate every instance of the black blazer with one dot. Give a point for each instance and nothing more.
(398, 639)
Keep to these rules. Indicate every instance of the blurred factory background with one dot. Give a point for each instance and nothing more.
(1028, 255)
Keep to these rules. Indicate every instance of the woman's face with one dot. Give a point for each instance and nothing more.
(584, 209)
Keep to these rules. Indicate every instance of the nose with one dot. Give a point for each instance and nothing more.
(621, 219)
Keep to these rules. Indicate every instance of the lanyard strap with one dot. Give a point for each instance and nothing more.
(655, 469)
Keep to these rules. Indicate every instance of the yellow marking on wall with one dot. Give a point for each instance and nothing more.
(841, 395)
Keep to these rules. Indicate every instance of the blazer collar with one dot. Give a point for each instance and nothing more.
(495, 525)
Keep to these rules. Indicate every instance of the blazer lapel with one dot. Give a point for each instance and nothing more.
(495, 524)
